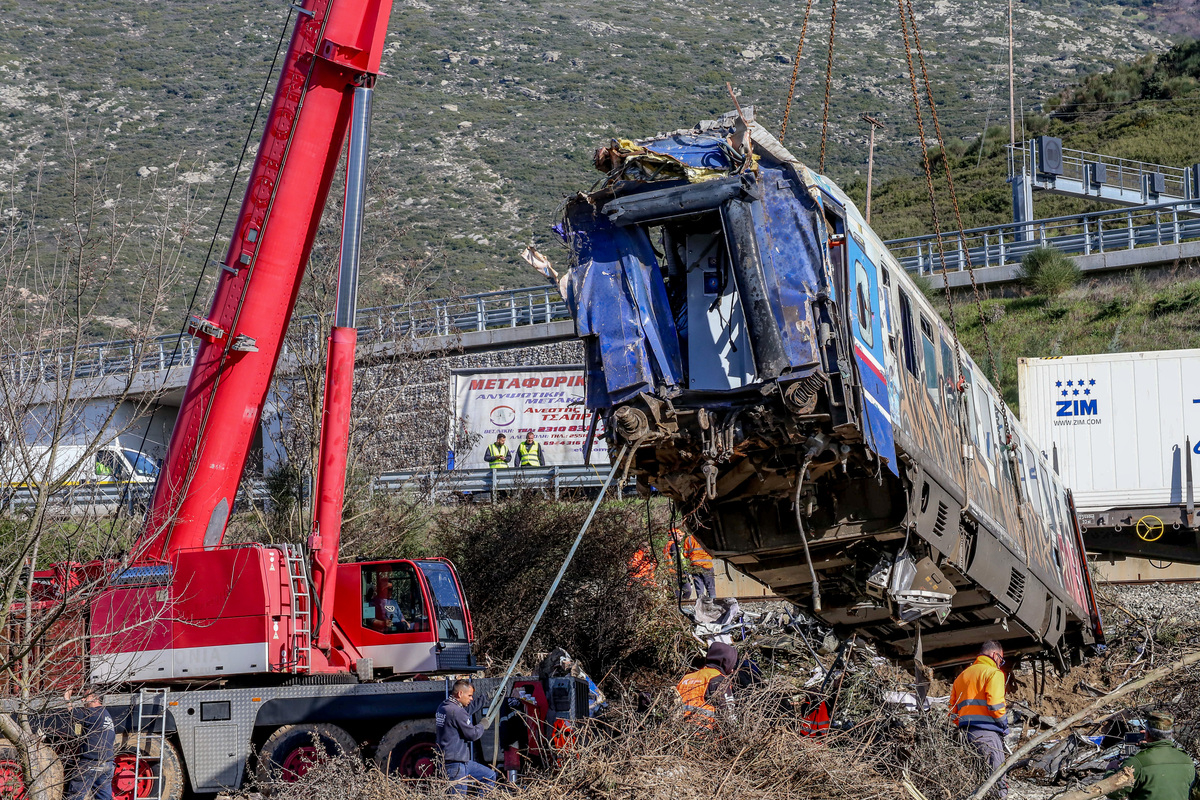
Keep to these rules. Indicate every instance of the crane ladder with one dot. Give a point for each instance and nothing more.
(151, 728)
(301, 638)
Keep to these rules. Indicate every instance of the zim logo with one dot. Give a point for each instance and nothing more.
(1078, 398)
(1075, 408)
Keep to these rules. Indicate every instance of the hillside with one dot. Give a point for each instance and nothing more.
(1113, 315)
(488, 113)
(1148, 110)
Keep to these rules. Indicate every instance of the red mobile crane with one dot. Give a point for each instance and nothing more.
(228, 649)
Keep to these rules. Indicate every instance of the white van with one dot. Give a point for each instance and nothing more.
(111, 464)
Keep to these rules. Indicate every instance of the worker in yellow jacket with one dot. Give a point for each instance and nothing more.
(977, 706)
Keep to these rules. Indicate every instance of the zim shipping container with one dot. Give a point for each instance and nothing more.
(1124, 431)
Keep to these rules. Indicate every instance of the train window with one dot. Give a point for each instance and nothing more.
(949, 382)
(969, 405)
(983, 409)
(887, 276)
(931, 363)
(862, 298)
(1048, 500)
(907, 337)
(1030, 467)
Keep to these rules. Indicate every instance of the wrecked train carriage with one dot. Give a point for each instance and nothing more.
(774, 370)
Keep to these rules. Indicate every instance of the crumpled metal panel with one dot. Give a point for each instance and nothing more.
(621, 310)
(789, 238)
(706, 151)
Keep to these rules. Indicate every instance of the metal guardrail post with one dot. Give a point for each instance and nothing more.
(493, 477)
(1129, 230)
(1100, 233)
(1087, 240)
(481, 310)
(554, 475)
(1175, 224)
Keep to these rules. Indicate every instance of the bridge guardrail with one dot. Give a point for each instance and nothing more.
(551, 480)
(1125, 173)
(105, 498)
(443, 317)
(995, 245)
(1077, 234)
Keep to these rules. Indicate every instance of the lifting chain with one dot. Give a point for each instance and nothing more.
(987, 339)
(787, 109)
(828, 82)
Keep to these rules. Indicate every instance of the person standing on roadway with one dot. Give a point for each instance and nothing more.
(977, 707)
(456, 734)
(1161, 771)
(92, 770)
(529, 453)
(497, 454)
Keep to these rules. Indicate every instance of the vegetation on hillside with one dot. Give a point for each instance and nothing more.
(1147, 110)
(1104, 315)
(488, 113)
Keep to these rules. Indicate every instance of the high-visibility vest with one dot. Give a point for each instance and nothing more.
(641, 567)
(692, 690)
(529, 456)
(696, 554)
(977, 699)
(499, 453)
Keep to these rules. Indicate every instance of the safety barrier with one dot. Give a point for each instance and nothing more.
(552, 481)
(1077, 234)
(445, 317)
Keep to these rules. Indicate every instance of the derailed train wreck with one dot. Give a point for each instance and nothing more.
(773, 369)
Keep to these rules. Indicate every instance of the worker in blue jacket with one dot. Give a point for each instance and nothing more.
(455, 736)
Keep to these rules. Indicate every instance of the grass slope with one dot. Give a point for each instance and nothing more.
(1102, 316)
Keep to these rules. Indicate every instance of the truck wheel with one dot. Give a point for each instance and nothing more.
(409, 749)
(292, 750)
(169, 766)
(12, 776)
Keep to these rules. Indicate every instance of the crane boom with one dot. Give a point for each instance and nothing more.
(335, 48)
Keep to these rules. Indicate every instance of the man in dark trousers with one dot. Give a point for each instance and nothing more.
(456, 733)
(92, 728)
(1161, 771)
(977, 707)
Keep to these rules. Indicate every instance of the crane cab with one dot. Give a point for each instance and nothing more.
(407, 616)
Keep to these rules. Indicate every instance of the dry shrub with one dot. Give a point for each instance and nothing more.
(656, 755)
(507, 555)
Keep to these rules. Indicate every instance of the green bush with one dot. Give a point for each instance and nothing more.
(1047, 271)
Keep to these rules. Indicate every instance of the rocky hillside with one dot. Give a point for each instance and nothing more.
(488, 112)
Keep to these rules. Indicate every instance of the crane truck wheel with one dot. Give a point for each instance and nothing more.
(292, 750)
(130, 771)
(409, 749)
(13, 785)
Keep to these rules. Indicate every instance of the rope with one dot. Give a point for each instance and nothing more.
(498, 698)
(987, 339)
(787, 109)
(828, 82)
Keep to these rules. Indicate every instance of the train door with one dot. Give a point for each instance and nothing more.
(866, 329)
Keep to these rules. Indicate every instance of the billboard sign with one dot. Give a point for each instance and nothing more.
(514, 401)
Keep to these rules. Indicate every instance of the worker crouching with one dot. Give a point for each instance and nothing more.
(977, 707)
(707, 693)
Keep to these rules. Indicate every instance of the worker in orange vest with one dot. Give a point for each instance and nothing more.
(698, 564)
(642, 565)
(977, 706)
(707, 693)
